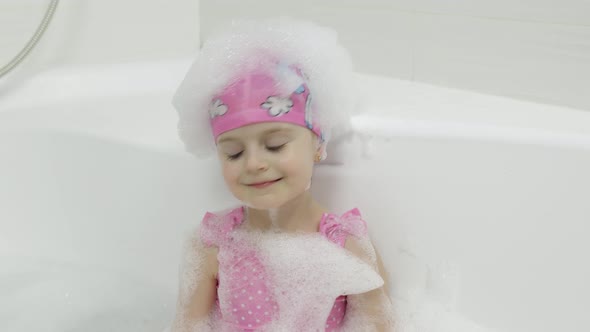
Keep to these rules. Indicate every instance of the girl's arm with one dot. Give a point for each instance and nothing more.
(198, 288)
(373, 310)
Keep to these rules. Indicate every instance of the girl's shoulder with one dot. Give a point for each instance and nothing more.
(215, 226)
(349, 231)
(337, 228)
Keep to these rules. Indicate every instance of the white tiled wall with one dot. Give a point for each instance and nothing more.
(530, 49)
(96, 32)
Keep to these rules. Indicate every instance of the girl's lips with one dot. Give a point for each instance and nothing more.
(263, 184)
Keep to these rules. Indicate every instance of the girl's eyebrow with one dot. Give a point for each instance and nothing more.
(226, 139)
(272, 131)
(264, 133)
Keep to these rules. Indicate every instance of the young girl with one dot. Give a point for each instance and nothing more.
(267, 95)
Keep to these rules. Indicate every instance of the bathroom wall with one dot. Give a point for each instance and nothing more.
(535, 50)
(99, 32)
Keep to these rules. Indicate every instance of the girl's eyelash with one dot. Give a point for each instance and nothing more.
(276, 148)
(270, 148)
(234, 156)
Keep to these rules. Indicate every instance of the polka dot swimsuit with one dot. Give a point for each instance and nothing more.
(246, 303)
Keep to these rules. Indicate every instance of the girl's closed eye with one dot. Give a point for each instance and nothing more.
(276, 142)
(276, 148)
(234, 156)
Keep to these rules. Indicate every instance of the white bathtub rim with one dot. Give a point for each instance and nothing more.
(412, 109)
(370, 127)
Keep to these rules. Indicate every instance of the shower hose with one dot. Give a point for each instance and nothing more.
(32, 42)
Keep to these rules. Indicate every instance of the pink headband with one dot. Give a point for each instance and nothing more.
(255, 98)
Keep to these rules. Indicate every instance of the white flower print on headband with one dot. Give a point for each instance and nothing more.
(277, 106)
(217, 108)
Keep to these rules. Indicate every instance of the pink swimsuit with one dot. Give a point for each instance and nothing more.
(245, 299)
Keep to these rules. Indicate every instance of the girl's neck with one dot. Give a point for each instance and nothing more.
(301, 214)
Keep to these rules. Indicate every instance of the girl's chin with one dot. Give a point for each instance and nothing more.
(262, 205)
(270, 200)
(264, 202)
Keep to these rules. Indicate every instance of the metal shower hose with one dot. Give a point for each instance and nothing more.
(33, 41)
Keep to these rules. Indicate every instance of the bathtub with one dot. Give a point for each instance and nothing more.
(479, 205)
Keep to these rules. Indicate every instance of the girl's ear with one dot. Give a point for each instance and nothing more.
(319, 148)
(320, 152)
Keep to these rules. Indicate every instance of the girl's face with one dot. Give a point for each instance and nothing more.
(265, 165)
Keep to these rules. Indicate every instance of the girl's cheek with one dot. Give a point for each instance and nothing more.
(287, 159)
(284, 158)
(229, 172)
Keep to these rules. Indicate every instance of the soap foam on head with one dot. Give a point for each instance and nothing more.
(260, 44)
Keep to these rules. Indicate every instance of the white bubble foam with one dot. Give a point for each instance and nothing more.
(427, 315)
(191, 266)
(191, 272)
(255, 43)
(371, 311)
(307, 273)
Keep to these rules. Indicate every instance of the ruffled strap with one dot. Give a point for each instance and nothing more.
(338, 228)
(216, 226)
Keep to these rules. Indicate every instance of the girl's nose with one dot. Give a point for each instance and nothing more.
(256, 162)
